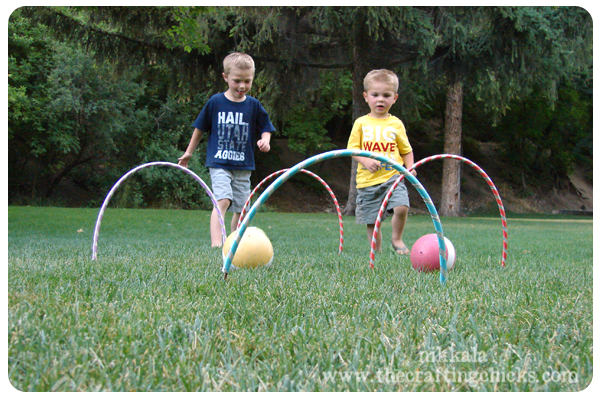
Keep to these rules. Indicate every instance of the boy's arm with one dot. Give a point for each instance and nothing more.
(196, 136)
(409, 161)
(264, 144)
(354, 143)
(369, 163)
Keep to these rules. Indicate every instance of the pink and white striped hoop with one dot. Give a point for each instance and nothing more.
(318, 178)
(439, 157)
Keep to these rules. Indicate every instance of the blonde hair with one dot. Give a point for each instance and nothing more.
(238, 60)
(381, 75)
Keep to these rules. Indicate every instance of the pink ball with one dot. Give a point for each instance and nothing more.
(425, 254)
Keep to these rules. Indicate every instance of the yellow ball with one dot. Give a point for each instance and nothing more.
(254, 250)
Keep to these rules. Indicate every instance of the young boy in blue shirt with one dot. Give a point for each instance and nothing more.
(233, 120)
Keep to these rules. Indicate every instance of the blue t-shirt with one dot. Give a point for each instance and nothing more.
(233, 129)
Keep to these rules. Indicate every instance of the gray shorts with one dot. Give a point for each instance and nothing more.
(369, 200)
(233, 185)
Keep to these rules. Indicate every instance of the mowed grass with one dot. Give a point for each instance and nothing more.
(153, 313)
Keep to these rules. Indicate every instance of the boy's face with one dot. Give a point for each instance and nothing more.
(240, 82)
(380, 97)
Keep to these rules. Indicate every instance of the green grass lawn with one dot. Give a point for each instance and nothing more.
(153, 313)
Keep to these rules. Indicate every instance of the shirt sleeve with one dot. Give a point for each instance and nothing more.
(404, 146)
(204, 119)
(354, 142)
(263, 122)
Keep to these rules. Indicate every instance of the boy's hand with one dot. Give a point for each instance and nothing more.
(371, 164)
(184, 159)
(264, 145)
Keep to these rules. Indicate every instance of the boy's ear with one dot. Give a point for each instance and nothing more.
(365, 95)
(224, 76)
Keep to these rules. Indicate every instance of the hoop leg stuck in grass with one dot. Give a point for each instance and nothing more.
(318, 178)
(131, 172)
(337, 154)
(439, 157)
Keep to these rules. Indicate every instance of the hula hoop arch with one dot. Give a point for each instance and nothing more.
(131, 172)
(318, 178)
(227, 260)
(439, 157)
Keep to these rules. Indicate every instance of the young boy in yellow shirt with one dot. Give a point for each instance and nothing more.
(383, 133)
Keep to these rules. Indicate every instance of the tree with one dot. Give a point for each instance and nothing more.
(69, 110)
(316, 38)
(307, 41)
(548, 140)
(499, 54)
(492, 54)
(29, 62)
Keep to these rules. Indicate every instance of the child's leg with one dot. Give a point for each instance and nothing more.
(216, 233)
(398, 223)
(235, 220)
(240, 188)
(370, 230)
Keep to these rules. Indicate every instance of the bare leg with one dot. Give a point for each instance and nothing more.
(234, 221)
(216, 234)
(370, 230)
(398, 223)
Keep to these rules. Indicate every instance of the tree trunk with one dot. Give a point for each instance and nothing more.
(64, 172)
(359, 106)
(450, 205)
(350, 208)
(358, 110)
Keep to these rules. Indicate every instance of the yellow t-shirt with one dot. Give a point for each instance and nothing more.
(384, 136)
